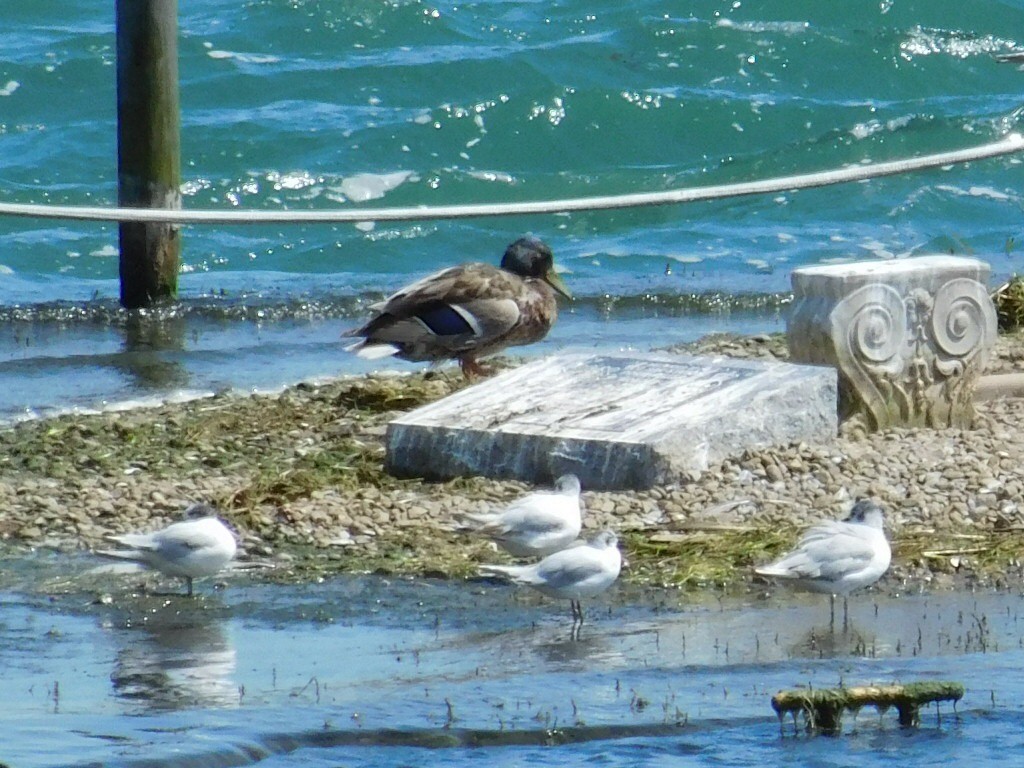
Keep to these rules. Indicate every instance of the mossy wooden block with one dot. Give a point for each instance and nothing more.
(823, 708)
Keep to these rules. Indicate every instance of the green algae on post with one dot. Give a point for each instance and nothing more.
(823, 709)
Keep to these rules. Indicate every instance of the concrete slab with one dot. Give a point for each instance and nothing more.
(622, 421)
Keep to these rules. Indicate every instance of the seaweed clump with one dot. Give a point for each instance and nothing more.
(1009, 302)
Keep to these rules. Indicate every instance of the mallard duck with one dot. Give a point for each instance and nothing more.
(469, 311)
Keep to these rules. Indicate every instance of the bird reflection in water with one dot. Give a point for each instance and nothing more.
(175, 660)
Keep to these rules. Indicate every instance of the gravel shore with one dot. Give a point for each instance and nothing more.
(298, 474)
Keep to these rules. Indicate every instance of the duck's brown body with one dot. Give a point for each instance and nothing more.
(469, 311)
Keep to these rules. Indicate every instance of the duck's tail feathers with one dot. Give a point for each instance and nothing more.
(369, 351)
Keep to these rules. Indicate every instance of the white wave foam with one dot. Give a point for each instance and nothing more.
(244, 58)
(371, 186)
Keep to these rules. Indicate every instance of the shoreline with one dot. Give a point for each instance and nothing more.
(299, 475)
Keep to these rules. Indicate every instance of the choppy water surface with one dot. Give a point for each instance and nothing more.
(375, 671)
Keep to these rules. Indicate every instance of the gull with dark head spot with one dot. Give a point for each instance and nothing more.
(837, 557)
(534, 525)
(201, 545)
(582, 570)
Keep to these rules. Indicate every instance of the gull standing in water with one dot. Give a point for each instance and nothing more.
(583, 570)
(201, 545)
(535, 525)
(837, 557)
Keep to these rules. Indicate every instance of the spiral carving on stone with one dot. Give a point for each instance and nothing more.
(963, 318)
(909, 338)
(874, 319)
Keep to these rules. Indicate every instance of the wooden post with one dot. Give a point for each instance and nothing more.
(148, 146)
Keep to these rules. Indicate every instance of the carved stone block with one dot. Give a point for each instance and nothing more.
(909, 337)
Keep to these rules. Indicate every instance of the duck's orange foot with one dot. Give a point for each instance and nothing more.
(471, 369)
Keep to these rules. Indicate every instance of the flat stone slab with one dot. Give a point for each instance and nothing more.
(618, 421)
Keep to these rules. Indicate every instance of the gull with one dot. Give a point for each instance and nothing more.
(201, 545)
(837, 557)
(537, 524)
(583, 570)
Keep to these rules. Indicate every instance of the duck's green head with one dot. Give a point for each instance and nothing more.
(531, 257)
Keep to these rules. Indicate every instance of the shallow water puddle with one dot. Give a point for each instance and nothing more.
(366, 670)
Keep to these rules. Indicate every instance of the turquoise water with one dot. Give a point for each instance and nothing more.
(315, 105)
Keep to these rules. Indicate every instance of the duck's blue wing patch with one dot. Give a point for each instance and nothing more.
(448, 320)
